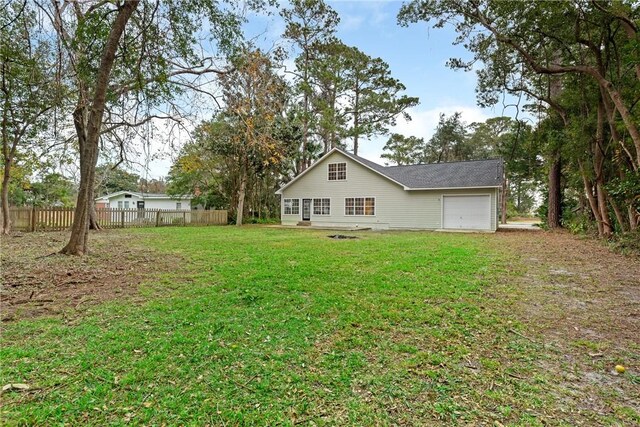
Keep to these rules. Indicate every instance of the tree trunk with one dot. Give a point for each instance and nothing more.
(631, 31)
(356, 117)
(626, 116)
(593, 203)
(6, 219)
(7, 157)
(554, 214)
(241, 196)
(624, 225)
(634, 218)
(93, 218)
(305, 134)
(598, 162)
(305, 122)
(88, 123)
(77, 244)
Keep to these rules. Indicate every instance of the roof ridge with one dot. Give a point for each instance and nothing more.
(445, 163)
(417, 164)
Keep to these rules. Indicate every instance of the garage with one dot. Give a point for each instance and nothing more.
(466, 212)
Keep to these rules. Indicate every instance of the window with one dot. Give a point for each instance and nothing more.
(127, 196)
(337, 171)
(126, 204)
(322, 206)
(360, 206)
(119, 204)
(178, 205)
(292, 206)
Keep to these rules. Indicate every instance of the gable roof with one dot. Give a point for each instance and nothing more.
(431, 176)
(145, 195)
(473, 173)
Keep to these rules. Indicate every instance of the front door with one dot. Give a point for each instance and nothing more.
(306, 209)
(140, 208)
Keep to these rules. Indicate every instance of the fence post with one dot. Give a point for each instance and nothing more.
(184, 218)
(33, 218)
(122, 219)
(158, 218)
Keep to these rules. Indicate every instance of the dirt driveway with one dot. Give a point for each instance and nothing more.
(582, 303)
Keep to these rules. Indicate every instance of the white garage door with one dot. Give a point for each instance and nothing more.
(466, 212)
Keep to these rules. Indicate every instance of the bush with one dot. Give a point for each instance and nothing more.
(626, 243)
(579, 223)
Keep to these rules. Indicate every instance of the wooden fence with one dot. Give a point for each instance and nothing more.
(57, 219)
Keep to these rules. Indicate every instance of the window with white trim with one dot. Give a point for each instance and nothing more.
(337, 171)
(365, 206)
(126, 204)
(119, 204)
(322, 206)
(292, 206)
(178, 206)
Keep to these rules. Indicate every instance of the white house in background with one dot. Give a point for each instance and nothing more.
(342, 189)
(135, 200)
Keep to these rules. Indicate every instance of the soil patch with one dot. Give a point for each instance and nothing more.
(37, 281)
(582, 302)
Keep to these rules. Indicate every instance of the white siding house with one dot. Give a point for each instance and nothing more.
(135, 200)
(342, 189)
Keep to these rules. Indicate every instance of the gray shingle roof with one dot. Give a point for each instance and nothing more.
(474, 173)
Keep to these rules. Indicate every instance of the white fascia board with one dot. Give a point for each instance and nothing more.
(453, 188)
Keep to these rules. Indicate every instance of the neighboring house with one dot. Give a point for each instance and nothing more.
(135, 200)
(342, 189)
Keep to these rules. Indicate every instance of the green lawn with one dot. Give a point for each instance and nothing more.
(287, 327)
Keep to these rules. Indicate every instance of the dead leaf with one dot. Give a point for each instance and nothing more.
(16, 387)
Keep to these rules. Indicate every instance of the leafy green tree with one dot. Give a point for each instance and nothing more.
(153, 185)
(254, 96)
(30, 90)
(403, 150)
(53, 190)
(355, 95)
(330, 77)
(201, 170)
(111, 178)
(310, 24)
(449, 142)
(374, 99)
(511, 140)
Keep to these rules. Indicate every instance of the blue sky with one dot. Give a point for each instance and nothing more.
(417, 56)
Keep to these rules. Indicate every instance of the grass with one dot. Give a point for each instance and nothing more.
(287, 327)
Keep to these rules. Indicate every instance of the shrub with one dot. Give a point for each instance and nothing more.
(626, 243)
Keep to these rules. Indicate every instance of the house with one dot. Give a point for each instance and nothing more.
(135, 200)
(342, 189)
